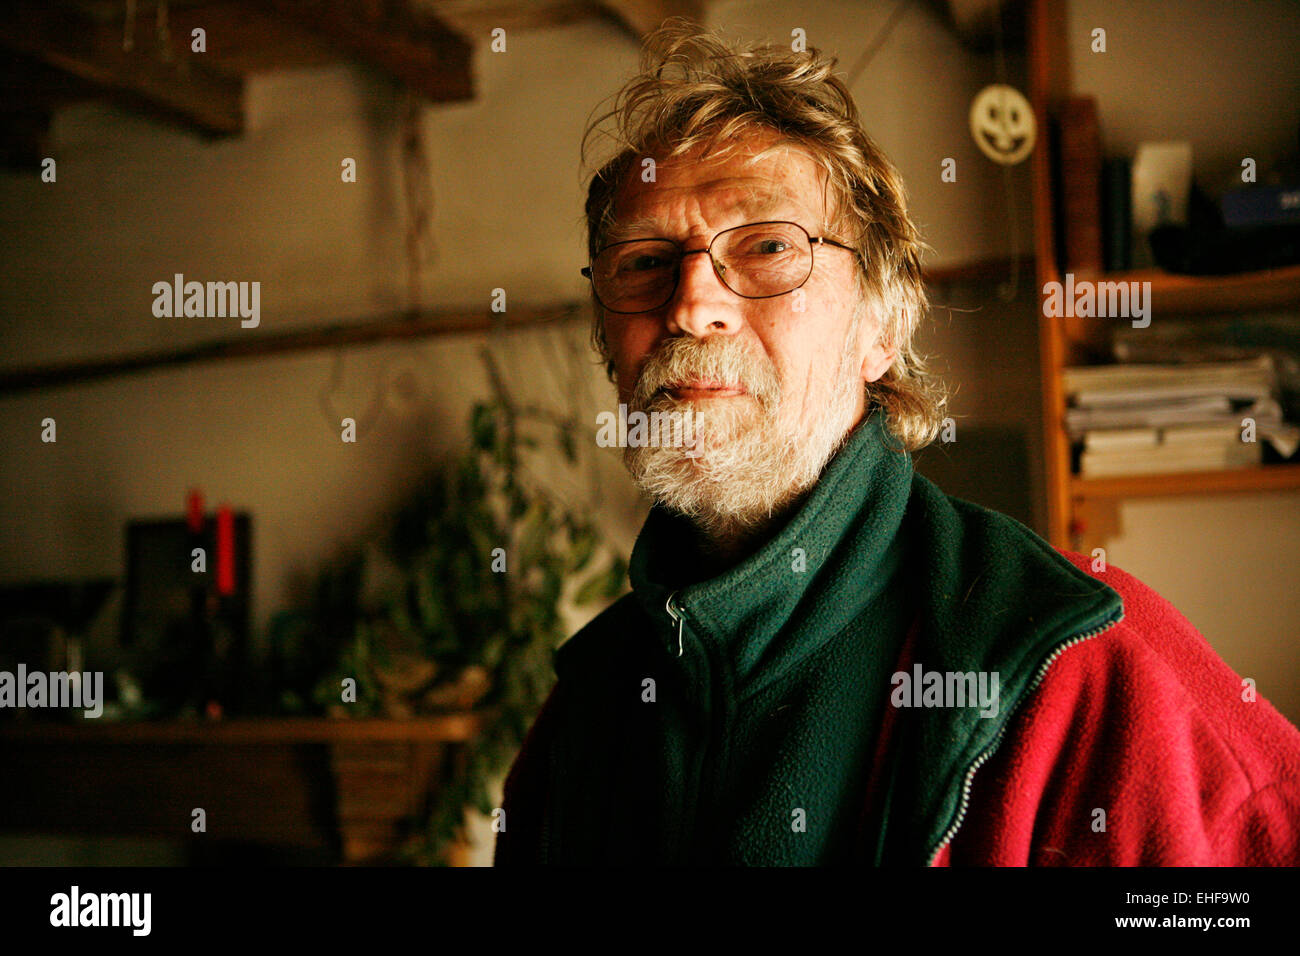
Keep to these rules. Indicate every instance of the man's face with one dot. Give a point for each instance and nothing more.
(777, 382)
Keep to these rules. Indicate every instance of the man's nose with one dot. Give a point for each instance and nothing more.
(702, 305)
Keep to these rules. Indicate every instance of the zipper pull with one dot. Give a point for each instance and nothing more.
(676, 615)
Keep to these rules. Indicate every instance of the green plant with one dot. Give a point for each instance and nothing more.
(483, 553)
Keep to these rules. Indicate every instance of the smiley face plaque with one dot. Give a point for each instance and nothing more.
(1002, 123)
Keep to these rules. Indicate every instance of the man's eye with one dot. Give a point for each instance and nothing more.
(642, 263)
(769, 247)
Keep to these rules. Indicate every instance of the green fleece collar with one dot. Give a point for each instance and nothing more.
(805, 585)
(997, 598)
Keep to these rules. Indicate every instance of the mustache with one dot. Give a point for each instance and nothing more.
(715, 359)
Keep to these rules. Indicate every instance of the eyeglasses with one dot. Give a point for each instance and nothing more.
(759, 260)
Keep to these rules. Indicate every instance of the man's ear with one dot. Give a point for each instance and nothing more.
(877, 356)
(877, 364)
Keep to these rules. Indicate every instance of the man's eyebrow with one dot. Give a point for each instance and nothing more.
(754, 209)
(642, 227)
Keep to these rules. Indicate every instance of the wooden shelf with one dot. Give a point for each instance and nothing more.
(1263, 478)
(335, 790)
(444, 728)
(1181, 294)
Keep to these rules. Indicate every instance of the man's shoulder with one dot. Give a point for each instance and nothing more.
(993, 594)
(961, 541)
(1145, 720)
(1145, 609)
(1159, 662)
(1153, 645)
(972, 528)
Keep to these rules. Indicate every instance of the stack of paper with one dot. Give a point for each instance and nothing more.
(1140, 451)
(1145, 419)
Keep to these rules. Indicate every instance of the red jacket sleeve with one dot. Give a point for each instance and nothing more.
(1140, 747)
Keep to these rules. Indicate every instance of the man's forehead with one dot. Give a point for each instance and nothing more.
(749, 184)
(751, 201)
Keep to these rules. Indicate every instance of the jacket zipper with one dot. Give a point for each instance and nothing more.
(992, 747)
(678, 617)
(698, 779)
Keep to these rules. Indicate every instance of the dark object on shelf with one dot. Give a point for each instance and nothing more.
(190, 640)
(1117, 213)
(1206, 246)
(41, 622)
(1261, 206)
(70, 605)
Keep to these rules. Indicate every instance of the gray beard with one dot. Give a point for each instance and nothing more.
(751, 460)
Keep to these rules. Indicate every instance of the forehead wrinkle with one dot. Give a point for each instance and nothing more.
(758, 203)
(642, 227)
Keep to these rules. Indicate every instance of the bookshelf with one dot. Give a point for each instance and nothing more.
(1081, 509)
(1265, 478)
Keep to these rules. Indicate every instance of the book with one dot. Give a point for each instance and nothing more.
(1117, 213)
(1113, 385)
(1203, 437)
(1212, 339)
(1200, 410)
(1208, 436)
(1080, 169)
(1261, 206)
(1170, 458)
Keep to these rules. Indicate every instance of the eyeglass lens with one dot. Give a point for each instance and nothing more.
(756, 261)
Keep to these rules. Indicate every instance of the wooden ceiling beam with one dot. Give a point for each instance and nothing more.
(182, 88)
(243, 37)
(416, 49)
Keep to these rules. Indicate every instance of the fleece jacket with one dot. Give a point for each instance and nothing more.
(897, 677)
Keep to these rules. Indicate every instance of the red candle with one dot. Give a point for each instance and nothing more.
(225, 551)
(195, 518)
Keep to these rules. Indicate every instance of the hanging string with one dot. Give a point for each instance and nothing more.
(128, 27)
(164, 33)
(418, 196)
(417, 184)
(877, 42)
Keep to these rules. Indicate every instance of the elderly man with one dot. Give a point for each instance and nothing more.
(825, 659)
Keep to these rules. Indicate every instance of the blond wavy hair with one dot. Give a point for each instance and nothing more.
(695, 88)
